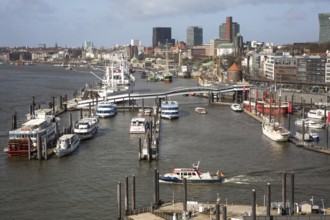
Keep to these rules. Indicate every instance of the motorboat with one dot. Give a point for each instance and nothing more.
(144, 111)
(106, 109)
(236, 107)
(316, 114)
(66, 144)
(192, 175)
(274, 130)
(315, 136)
(309, 123)
(23, 141)
(169, 110)
(200, 110)
(138, 126)
(86, 128)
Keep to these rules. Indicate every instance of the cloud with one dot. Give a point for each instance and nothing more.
(289, 16)
(21, 7)
(154, 9)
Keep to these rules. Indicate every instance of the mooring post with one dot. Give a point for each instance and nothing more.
(284, 193)
(126, 195)
(254, 205)
(133, 192)
(46, 149)
(140, 149)
(53, 102)
(268, 199)
(158, 198)
(185, 195)
(70, 123)
(90, 109)
(14, 121)
(119, 200)
(289, 122)
(29, 148)
(39, 147)
(223, 213)
(292, 194)
(155, 188)
(81, 113)
(143, 104)
(217, 211)
(33, 105)
(303, 130)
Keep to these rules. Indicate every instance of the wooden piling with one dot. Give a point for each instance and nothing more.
(133, 192)
(185, 195)
(29, 148)
(81, 113)
(118, 200)
(140, 149)
(268, 199)
(223, 213)
(14, 121)
(155, 188)
(284, 192)
(292, 194)
(46, 149)
(70, 123)
(254, 205)
(126, 195)
(53, 103)
(39, 147)
(217, 211)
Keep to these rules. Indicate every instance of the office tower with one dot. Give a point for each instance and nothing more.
(228, 30)
(324, 20)
(161, 35)
(194, 36)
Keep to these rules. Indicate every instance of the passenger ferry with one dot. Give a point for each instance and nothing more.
(193, 175)
(86, 128)
(169, 109)
(106, 109)
(41, 123)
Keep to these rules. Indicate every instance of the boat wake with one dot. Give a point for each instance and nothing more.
(246, 179)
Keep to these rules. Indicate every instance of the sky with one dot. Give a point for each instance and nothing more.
(110, 22)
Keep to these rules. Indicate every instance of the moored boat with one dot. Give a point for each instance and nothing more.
(66, 144)
(316, 114)
(236, 107)
(138, 126)
(144, 112)
(266, 107)
(106, 109)
(193, 175)
(274, 130)
(169, 109)
(309, 123)
(200, 110)
(86, 128)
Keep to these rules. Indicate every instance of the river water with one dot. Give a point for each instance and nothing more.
(83, 185)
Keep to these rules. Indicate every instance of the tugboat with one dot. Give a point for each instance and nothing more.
(193, 175)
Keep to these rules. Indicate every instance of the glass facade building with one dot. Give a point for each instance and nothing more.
(194, 36)
(324, 20)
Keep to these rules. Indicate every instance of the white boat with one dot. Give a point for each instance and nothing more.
(169, 109)
(86, 128)
(274, 130)
(42, 124)
(200, 110)
(106, 109)
(66, 144)
(236, 107)
(315, 136)
(316, 114)
(193, 175)
(144, 112)
(138, 126)
(309, 123)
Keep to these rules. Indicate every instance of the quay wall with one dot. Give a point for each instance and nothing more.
(303, 98)
(289, 217)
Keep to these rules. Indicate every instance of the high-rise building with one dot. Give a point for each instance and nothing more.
(194, 36)
(228, 30)
(324, 20)
(161, 36)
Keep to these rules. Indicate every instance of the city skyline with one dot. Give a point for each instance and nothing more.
(106, 23)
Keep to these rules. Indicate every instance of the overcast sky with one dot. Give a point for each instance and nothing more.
(110, 22)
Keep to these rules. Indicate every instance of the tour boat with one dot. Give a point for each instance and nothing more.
(309, 123)
(41, 124)
(200, 110)
(66, 144)
(86, 128)
(274, 130)
(236, 107)
(106, 109)
(138, 126)
(169, 109)
(192, 175)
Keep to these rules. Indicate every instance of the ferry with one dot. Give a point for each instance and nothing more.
(42, 124)
(86, 128)
(106, 109)
(193, 175)
(138, 126)
(169, 109)
(66, 144)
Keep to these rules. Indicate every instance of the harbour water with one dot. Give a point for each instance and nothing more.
(83, 184)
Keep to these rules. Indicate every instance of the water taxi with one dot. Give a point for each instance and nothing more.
(193, 175)
(66, 144)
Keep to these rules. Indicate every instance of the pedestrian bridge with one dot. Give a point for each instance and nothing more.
(209, 90)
